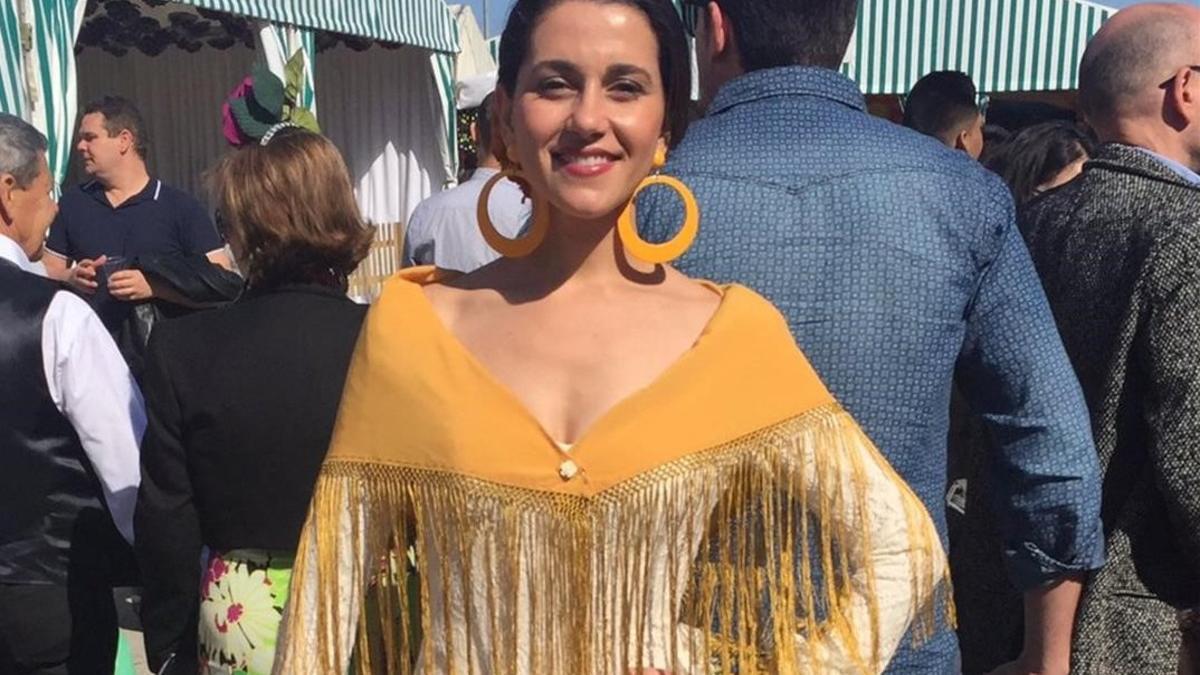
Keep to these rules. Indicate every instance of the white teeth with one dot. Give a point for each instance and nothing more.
(586, 159)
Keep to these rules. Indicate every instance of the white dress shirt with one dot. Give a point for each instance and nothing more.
(444, 231)
(92, 386)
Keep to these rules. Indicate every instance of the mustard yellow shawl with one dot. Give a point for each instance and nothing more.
(730, 517)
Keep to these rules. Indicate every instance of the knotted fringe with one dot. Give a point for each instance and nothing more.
(759, 556)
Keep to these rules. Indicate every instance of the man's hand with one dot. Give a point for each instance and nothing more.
(83, 275)
(129, 285)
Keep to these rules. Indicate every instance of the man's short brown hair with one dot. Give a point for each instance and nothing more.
(120, 114)
(288, 210)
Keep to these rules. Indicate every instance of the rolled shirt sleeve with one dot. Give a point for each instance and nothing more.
(92, 386)
(1044, 471)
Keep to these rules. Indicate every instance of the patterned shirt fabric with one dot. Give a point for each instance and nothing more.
(899, 267)
(444, 231)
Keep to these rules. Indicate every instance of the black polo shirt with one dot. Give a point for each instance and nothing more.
(160, 220)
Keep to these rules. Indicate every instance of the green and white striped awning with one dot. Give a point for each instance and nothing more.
(12, 61)
(1004, 45)
(420, 23)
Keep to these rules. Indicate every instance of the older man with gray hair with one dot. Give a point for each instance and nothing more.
(1118, 250)
(71, 419)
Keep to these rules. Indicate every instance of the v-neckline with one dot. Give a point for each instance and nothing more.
(503, 391)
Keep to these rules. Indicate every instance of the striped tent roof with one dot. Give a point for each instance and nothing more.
(421, 23)
(1004, 45)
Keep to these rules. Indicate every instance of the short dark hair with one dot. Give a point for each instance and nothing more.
(674, 62)
(1036, 154)
(120, 114)
(776, 33)
(940, 102)
(483, 125)
(288, 208)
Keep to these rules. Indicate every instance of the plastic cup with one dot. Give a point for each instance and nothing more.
(114, 263)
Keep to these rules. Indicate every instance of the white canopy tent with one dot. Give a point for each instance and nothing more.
(383, 68)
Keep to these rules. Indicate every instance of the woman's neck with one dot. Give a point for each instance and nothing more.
(579, 252)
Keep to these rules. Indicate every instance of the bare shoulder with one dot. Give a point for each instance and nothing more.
(450, 301)
(465, 292)
(689, 296)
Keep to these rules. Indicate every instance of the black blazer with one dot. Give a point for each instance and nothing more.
(241, 403)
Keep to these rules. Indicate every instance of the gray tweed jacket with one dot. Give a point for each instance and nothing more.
(1118, 251)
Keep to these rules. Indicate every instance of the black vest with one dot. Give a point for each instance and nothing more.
(52, 519)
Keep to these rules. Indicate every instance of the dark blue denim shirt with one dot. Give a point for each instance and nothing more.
(898, 265)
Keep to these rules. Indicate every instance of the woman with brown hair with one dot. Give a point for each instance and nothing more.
(576, 459)
(241, 403)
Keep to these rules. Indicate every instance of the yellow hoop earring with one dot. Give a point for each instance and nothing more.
(511, 248)
(668, 250)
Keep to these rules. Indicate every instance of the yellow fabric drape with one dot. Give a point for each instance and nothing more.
(729, 518)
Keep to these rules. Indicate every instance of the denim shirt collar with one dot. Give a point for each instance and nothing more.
(788, 81)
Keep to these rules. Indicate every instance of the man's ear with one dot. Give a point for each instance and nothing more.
(8, 188)
(1183, 97)
(960, 140)
(128, 142)
(720, 30)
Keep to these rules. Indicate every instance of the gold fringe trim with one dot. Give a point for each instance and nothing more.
(757, 556)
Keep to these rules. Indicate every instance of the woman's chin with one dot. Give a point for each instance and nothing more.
(590, 212)
(589, 205)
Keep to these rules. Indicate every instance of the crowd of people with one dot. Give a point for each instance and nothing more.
(661, 392)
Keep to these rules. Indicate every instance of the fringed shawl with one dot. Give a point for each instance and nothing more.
(730, 517)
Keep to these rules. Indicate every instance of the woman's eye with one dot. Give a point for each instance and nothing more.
(627, 89)
(553, 86)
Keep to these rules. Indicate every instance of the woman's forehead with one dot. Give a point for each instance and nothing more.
(588, 34)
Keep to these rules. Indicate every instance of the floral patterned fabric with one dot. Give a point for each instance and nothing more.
(241, 604)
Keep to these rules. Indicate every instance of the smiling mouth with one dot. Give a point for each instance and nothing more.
(584, 164)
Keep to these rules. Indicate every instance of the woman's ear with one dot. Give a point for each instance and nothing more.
(502, 132)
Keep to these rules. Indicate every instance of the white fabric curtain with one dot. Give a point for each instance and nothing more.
(180, 95)
(476, 56)
(381, 107)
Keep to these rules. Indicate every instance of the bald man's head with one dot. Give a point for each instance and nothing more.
(1127, 61)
